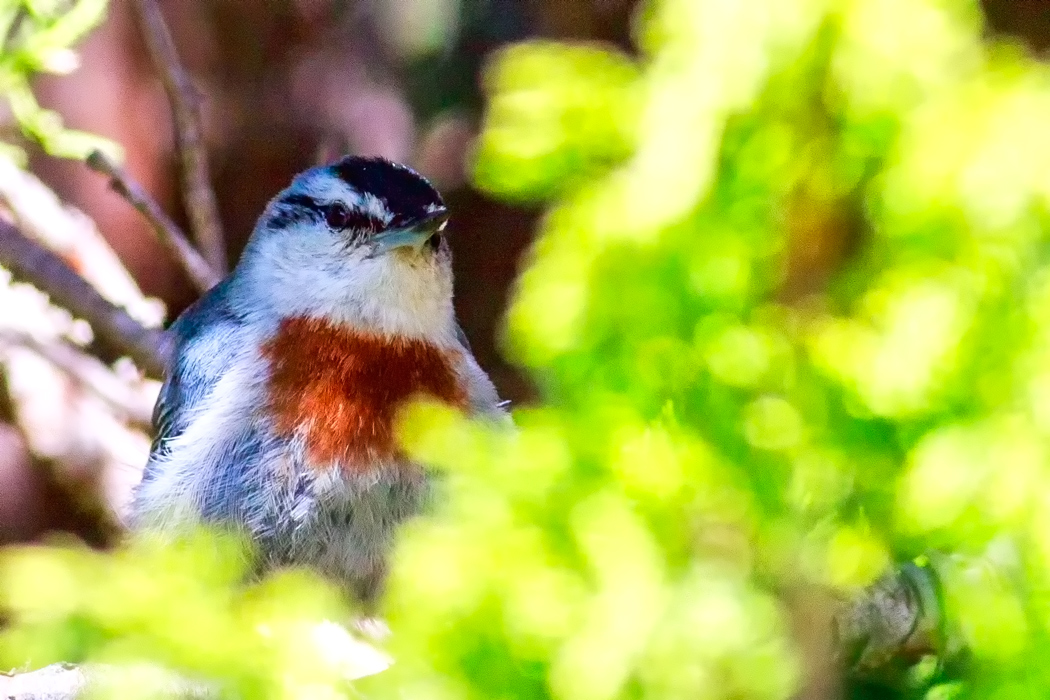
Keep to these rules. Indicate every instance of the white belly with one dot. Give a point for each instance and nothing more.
(345, 527)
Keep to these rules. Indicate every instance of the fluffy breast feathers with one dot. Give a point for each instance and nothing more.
(338, 389)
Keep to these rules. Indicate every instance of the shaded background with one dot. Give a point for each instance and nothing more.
(288, 83)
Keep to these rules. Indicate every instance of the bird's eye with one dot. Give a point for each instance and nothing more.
(337, 215)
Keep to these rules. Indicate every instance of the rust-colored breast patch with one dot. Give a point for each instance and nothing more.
(340, 389)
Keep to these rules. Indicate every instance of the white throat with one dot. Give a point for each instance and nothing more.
(398, 293)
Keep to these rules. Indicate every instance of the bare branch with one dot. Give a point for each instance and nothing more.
(116, 331)
(196, 180)
(203, 275)
(895, 622)
(90, 373)
(39, 214)
(68, 682)
(55, 682)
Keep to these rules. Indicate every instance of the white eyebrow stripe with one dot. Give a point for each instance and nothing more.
(331, 189)
(375, 207)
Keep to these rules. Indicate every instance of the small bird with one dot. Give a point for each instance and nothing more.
(276, 415)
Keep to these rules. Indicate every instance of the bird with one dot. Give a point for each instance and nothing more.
(276, 415)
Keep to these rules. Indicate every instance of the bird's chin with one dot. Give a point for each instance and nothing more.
(432, 251)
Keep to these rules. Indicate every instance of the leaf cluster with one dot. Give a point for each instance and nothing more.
(38, 37)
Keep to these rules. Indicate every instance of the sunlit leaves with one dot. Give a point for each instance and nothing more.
(790, 321)
(37, 36)
(787, 309)
(181, 605)
(558, 114)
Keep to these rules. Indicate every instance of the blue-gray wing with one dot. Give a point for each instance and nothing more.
(482, 394)
(461, 336)
(204, 350)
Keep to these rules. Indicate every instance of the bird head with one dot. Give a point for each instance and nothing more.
(359, 242)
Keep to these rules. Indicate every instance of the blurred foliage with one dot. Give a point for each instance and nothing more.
(157, 606)
(788, 308)
(38, 36)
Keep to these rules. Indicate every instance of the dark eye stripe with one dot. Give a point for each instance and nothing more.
(301, 200)
(364, 222)
(296, 208)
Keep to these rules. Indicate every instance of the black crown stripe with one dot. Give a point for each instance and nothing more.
(405, 193)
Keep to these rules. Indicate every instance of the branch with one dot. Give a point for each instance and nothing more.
(89, 372)
(116, 331)
(55, 682)
(196, 180)
(68, 682)
(900, 619)
(39, 214)
(203, 275)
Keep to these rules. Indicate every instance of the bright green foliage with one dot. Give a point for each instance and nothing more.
(789, 313)
(178, 606)
(37, 36)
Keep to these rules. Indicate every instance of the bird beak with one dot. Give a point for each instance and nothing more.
(414, 235)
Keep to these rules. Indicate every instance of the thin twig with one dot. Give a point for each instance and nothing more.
(38, 213)
(115, 331)
(89, 372)
(196, 180)
(203, 275)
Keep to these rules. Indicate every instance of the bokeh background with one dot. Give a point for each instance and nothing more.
(287, 84)
(767, 281)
